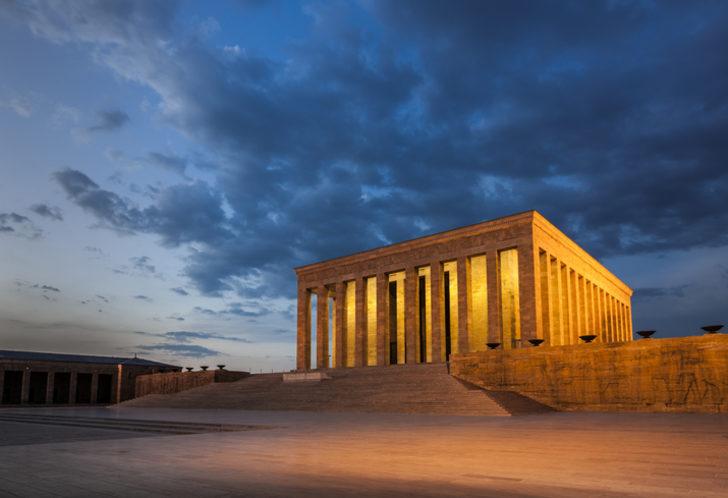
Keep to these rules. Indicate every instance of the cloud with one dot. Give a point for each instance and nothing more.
(47, 211)
(19, 226)
(235, 309)
(440, 117)
(142, 297)
(185, 350)
(108, 121)
(656, 292)
(180, 291)
(186, 336)
(143, 264)
(170, 162)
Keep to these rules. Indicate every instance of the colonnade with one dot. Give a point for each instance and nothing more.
(424, 313)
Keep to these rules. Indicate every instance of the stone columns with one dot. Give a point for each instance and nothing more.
(303, 336)
(410, 315)
(463, 305)
(382, 318)
(49, 388)
(494, 304)
(340, 325)
(360, 346)
(528, 289)
(322, 327)
(547, 297)
(25, 386)
(436, 304)
(94, 388)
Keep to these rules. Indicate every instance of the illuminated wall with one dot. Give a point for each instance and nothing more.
(510, 305)
(350, 322)
(478, 303)
(371, 305)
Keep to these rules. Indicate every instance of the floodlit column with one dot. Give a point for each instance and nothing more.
(382, 318)
(360, 345)
(437, 311)
(340, 325)
(463, 308)
(494, 304)
(546, 297)
(558, 303)
(629, 323)
(578, 307)
(25, 386)
(529, 286)
(303, 336)
(49, 388)
(322, 327)
(410, 314)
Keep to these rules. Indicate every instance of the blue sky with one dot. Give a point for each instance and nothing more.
(165, 164)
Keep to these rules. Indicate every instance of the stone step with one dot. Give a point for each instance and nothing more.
(398, 389)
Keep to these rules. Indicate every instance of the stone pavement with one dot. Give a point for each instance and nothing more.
(350, 454)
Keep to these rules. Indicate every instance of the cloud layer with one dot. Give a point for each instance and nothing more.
(403, 118)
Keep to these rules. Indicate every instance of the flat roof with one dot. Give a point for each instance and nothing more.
(80, 358)
(424, 238)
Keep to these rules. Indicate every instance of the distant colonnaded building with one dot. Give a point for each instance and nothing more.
(504, 281)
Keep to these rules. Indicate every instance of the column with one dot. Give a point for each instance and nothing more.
(72, 387)
(49, 388)
(94, 387)
(322, 327)
(340, 325)
(494, 304)
(25, 386)
(578, 307)
(463, 305)
(558, 304)
(547, 307)
(410, 314)
(382, 318)
(360, 343)
(566, 276)
(529, 287)
(436, 310)
(303, 337)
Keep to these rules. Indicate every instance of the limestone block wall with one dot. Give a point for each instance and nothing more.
(687, 374)
(174, 382)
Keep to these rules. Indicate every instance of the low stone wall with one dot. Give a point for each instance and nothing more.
(687, 374)
(174, 382)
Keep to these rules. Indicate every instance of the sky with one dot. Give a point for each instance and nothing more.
(164, 165)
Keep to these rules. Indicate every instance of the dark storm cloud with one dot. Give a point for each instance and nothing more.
(601, 115)
(47, 211)
(173, 163)
(652, 292)
(19, 226)
(109, 121)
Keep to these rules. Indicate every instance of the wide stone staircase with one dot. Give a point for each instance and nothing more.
(427, 389)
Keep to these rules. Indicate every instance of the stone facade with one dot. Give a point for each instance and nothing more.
(174, 382)
(504, 281)
(48, 378)
(687, 374)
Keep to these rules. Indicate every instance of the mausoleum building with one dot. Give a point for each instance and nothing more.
(505, 281)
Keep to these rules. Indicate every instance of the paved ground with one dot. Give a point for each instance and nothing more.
(346, 454)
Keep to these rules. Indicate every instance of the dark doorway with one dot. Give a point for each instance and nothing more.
(37, 388)
(61, 388)
(392, 323)
(83, 388)
(103, 394)
(423, 320)
(447, 315)
(12, 387)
